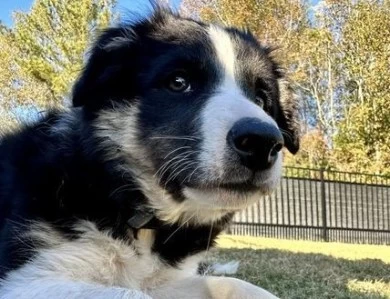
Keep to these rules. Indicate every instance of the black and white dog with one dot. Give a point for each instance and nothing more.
(176, 125)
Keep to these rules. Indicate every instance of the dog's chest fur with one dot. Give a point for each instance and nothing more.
(96, 257)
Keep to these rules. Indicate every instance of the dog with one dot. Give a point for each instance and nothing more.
(175, 125)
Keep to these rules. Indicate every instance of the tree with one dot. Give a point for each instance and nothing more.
(43, 52)
(15, 85)
(314, 151)
(363, 140)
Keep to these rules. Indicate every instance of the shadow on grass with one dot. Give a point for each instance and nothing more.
(309, 275)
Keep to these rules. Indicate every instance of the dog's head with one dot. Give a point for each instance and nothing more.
(200, 112)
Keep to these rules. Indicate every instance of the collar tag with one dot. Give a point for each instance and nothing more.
(140, 219)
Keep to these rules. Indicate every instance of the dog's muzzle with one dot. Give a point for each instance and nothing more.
(257, 143)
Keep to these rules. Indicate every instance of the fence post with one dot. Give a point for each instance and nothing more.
(325, 235)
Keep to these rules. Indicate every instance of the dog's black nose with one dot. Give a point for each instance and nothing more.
(257, 143)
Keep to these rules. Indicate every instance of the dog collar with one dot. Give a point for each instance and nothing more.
(144, 218)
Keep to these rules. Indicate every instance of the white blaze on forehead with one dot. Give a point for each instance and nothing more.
(224, 48)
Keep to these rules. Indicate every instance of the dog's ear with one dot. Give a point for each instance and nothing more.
(108, 65)
(288, 116)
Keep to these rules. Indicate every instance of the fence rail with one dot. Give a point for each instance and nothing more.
(315, 204)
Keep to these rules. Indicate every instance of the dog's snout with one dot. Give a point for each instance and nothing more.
(257, 143)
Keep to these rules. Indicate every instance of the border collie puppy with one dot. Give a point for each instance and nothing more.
(176, 125)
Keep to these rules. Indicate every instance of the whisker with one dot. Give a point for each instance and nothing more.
(181, 156)
(190, 138)
(209, 239)
(184, 165)
(176, 230)
(181, 160)
(189, 177)
(187, 166)
(125, 187)
(187, 146)
(166, 164)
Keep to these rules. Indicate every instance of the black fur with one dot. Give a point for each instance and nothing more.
(196, 239)
(44, 176)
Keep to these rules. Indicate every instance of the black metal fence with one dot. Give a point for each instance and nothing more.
(315, 204)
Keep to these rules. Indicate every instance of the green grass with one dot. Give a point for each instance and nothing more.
(302, 269)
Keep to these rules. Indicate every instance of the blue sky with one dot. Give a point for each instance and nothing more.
(7, 6)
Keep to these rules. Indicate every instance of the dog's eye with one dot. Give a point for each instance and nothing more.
(260, 98)
(179, 82)
(262, 92)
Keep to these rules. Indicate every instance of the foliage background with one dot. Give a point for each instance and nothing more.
(336, 54)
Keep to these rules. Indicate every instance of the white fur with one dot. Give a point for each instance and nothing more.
(189, 288)
(224, 48)
(227, 268)
(210, 287)
(99, 266)
(97, 258)
(55, 288)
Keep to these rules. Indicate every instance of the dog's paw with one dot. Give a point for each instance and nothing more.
(209, 287)
(232, 288)
(132, 294)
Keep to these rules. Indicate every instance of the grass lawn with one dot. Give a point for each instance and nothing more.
(303, 269)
